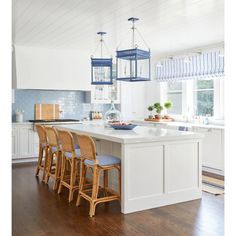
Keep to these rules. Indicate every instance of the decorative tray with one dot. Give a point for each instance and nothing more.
(123, 127)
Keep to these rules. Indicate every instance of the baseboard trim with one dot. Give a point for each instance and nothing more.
(24, 160)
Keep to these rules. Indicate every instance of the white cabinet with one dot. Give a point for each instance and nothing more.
(24, 141)
(212, 145)
(34, 143)
(105, 93)
(42, 68)
(133, 97)
(212, 148)
(15, 142)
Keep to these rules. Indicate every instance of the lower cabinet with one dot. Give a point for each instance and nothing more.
(212, 145)
(15, 142)
(212, 149)
(24, 141)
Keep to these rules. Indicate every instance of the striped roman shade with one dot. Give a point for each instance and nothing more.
(208, 64)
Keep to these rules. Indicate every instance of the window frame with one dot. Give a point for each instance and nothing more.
(202, 90)
(174, 91)
(188, 98)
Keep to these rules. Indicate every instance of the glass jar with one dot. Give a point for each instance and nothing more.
(112, 115)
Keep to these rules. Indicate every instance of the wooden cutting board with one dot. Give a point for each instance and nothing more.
(46, 111)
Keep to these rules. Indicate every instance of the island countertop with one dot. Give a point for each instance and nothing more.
(139, 134)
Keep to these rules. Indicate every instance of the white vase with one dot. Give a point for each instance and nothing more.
(19, 117)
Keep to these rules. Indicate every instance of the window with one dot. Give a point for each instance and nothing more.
(195, 97)
(203, 97)
(174, 94)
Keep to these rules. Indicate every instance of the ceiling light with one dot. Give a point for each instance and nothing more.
(101, 67)
(133, 64)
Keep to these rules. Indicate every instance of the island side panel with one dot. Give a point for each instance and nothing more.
(183, 178)
(156, 174)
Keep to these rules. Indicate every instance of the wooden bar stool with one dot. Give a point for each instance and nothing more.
(43, 150)
(97, 163)
(53, 169)
(70, 157)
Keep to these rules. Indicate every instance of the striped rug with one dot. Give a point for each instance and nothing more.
(212, 185)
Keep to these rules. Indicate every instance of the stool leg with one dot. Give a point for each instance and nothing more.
(49, 166)
(39, 160)
(95, 189)
(63, 166)
(57, 170)
(105, 181)
(72, 179)
(91, 210)
(45, 162)
(83, 169)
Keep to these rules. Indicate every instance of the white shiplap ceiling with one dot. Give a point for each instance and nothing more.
(166, 25)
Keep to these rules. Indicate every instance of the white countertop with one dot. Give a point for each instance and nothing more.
(140, 134)
(47, 123)
(22, 123)
(178, 123)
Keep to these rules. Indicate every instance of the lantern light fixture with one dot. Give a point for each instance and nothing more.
(133, 64)
(101, 67)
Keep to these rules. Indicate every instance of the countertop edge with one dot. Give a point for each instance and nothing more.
(173, 123)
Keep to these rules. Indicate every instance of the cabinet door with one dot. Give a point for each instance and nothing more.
(33, 143)
(15, 142)
(133, 97)
(223, 148)
(105, 93)
(24, 141)
(52, 68)
(212, 148)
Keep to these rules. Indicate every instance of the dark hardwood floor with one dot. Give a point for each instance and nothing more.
(38, 210)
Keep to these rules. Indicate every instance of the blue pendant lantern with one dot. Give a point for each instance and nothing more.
(133, 64)
(101, 68)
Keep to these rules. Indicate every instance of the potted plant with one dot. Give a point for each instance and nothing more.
(150, 108)
(167, 105)
(159, 109)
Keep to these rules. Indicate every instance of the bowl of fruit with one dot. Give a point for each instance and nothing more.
(123, 126)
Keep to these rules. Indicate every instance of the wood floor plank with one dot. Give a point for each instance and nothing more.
(38, 210)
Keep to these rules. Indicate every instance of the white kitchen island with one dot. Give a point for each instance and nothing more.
(159, 166)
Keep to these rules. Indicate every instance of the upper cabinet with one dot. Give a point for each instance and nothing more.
(105, 93)
(42, 68)
(133, 100)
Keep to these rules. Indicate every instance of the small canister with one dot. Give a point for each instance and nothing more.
(19, 115)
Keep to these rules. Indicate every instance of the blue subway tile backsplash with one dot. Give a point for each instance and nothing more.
(72, 103)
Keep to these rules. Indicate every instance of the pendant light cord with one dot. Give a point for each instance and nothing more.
(101, 42)
(96, 49)
(133, 37)
(142, 39)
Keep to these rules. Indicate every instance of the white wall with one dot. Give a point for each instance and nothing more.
(153, 89)
(42, 68)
